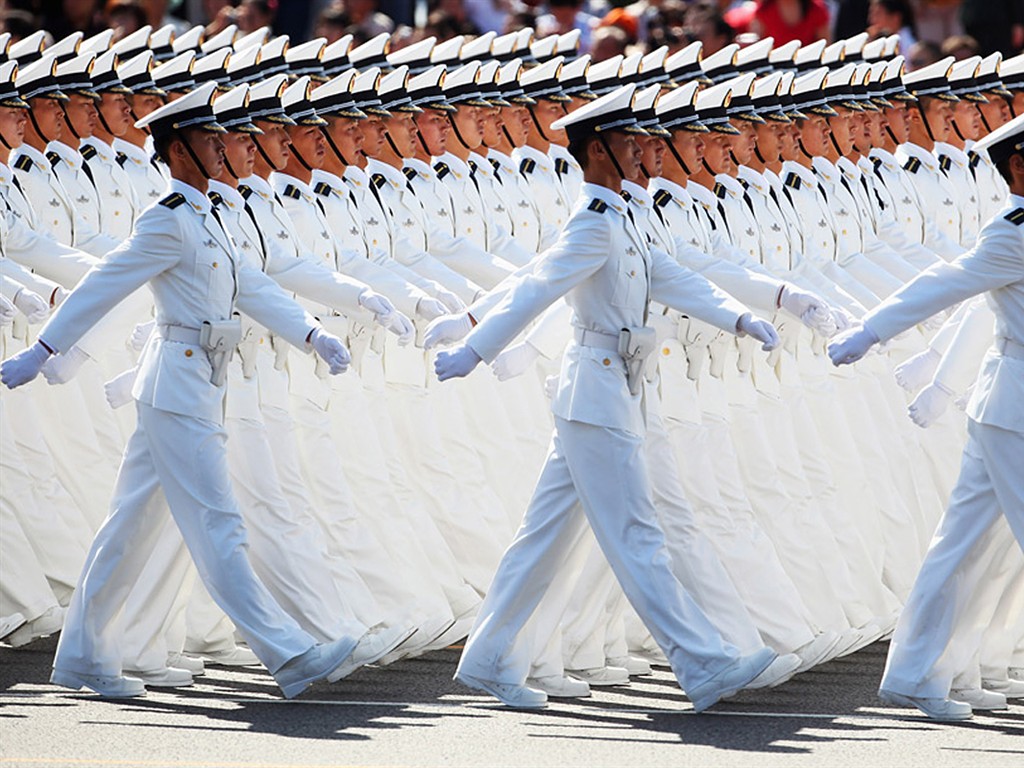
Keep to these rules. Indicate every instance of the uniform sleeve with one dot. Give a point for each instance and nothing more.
(265, 301)
(688, 292)
(45, 255)
(996, 261)
(755, 290)
(154, 247)
(580, 252)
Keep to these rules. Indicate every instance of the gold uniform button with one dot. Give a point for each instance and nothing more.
(666, 351)
(215, 265)
(606, 361)
(632, 273)
(188, 353)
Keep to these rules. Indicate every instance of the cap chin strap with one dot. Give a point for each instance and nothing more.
(423, 142)
(229, 169)
(984, 121)
(508, 136)
(263, 154)
(394, 148)
(194, 156)
(615, 162)
(67, 122)
(800, 143)
(924, 119)
(333, 146)
(678, 157)
(455, 128)
(301, 159)
(536, 123)
(35, 125)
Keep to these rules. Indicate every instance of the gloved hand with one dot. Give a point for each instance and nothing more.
(60, 369)
(930, 403)
(58, 296)
(813, 312)
(455, 364)
(140, 335)
(551, 386)
(374, 302)
(850, 346)
(32, 306)
(514, 361)
(914, 372)
(330, 348)
(119, 389)
(449, 299)
(386, 315)
(430, 308)
(843, 319)
(24, 366)
(447, 330)
(7, 312)
(761, 330)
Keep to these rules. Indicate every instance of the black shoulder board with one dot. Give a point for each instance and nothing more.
(472, 167)
(662, 198)
(974, 157)
(442, 170)
(410, 173)
(945, 163)
(793, 181)
(23, 163)
(53, 157)
(292, 191)
(745, 183)
(719, 191)
(122, 158)
(876, 161)
(626, 195)
(216, 198)
(89, 151)
(245, 191)
(561, 166)
(912, 164)
(173, 200)
(378, 180)
(527, 165)
(1016, 216)
(596, 205)
(323, 188)
(495, 163)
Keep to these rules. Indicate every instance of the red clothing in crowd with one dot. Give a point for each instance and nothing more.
(806, 31)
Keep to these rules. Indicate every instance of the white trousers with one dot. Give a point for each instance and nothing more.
(597, 475)
(188, 456)
(990, 486)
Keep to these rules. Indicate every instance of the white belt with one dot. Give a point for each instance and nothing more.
(1010, 348)
(599, 339)
(179, 333)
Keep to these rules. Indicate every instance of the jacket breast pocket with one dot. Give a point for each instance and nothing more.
(210, 260)
(630, 278)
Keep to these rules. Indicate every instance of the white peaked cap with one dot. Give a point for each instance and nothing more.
(255, 38)
(448, 50)
(809, 54)
(873, 49)
(135, 41)
(855, 45)
(720, 58)
(188, 41)
(683, 96)
(569, 42)
(222, 39)
(194, 109)
(98, 43)
(782, 55)
(755, 52)
(478, 47)
(413, 54)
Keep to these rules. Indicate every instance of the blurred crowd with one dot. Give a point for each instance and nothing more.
(928, 29)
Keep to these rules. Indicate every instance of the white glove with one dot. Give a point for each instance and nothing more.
(7, 312)
(375, 303)
(447, 330)
(514, 361)
(455, 364)
(330, 348)
(32, 306)
(813, 312)
(119, 389)
(400, 325)
(930, 403)
(58, 296)
(551, 386)
(914, 372)
(430, 309)
(851, 345)
(449, 299)
(24, 366)
(140, 335)
(843, 319)
(761, 330)
(60, 369)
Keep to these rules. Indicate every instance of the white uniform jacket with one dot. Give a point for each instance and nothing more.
(608, 274)
(195, 274)
(996, 266)
(143, 170)
(119, 205)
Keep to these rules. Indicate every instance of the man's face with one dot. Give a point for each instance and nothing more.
(116, 113)
(996, 111)
(82, 114)
(652, 153)
(434, 128)
(492, 127)
(940, 118)
(276, 143)
(402, 130)
(309, 143)
(516, 122)
(12, 125)
(842, 130)
(209, 148)
(470, 123)
(627, 151)
(743, 144)
(968, 120)
(788, 135)
(896, 117)
(145, 103)
(372, 131)
(716, 153)
(347, 134)
(49, 115)
(814, 133)
(768, 141)
(240, 152)
(690, 146)
(546, 112)
(875, 125)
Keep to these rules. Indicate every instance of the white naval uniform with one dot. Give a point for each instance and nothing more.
(119, 204)
(956, 165)
(183, 252)
(568, 172)
(144, 171)
(513, 189)
(552, 198)
(69, 169)
(596, 470)
(989, 487)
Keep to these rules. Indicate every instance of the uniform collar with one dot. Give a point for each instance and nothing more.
(605, 195)
(753, 178)
(558, 152)
(1017, 201)
(955, 154)
(259, 185)
(459, 168)
(196, 200)
(70, 156)
(679, 194)
(848, 168)
(888, 158)
(701, 194)
(806, 175)
(104, 150)
(928, 160)
(136, 154)
(6, 174)
(529, 153)
(638, 194)
(506, 162)
(355, 175)
(732, 185)
(33, 154)
(230, 196)
(483, 167)
(394, 176)
(282, 180)
(825, 169)
(420, 167)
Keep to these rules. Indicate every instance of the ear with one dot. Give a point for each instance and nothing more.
(1017, 165)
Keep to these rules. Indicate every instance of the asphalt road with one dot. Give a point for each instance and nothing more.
(413, 714)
